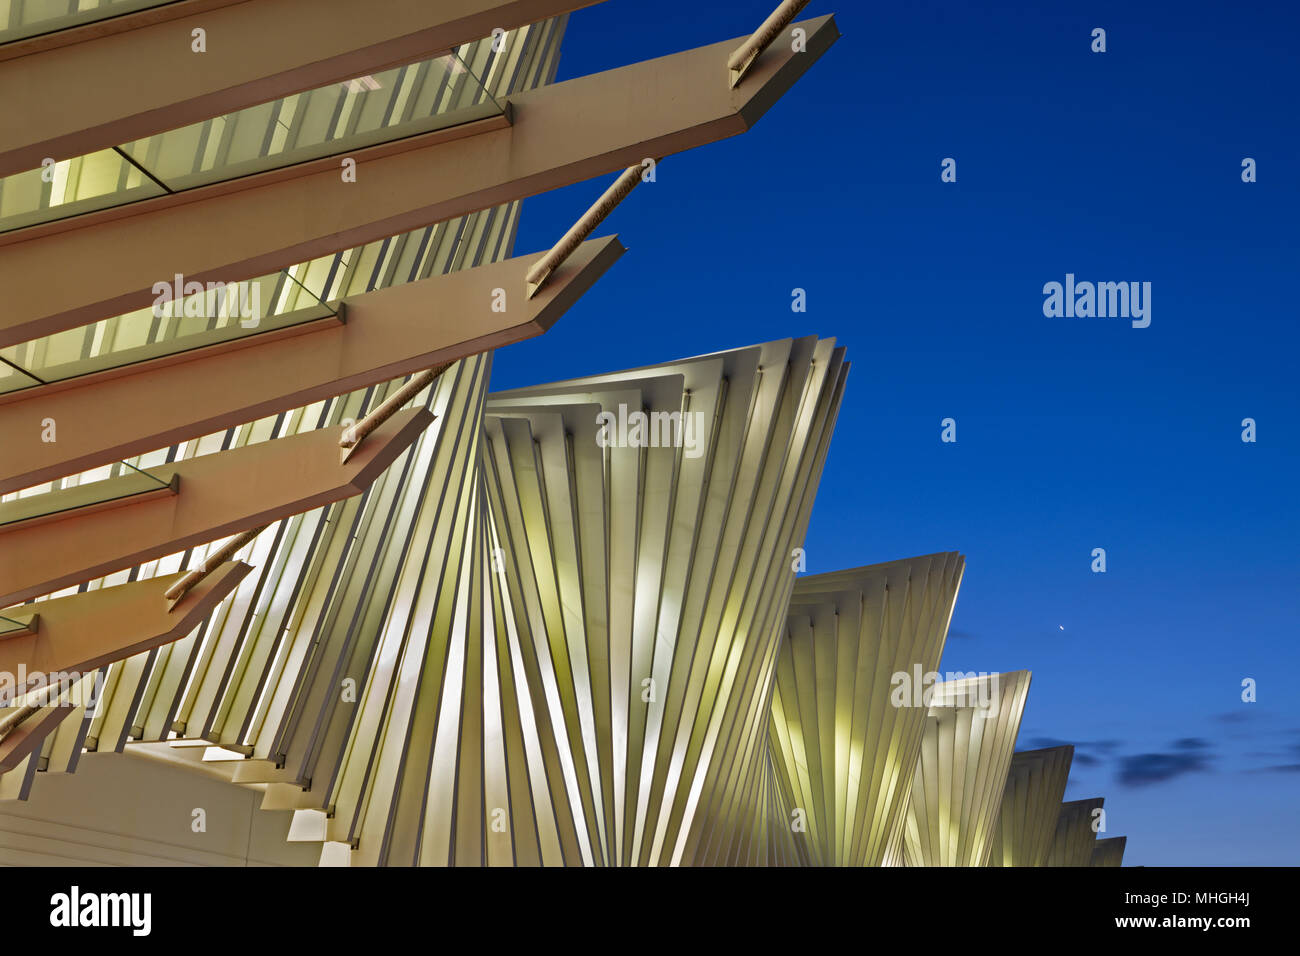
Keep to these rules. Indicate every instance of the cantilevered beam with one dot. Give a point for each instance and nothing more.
(220, 494)
(81, 633)
(389, 333)
(561, 134)
(120, 86)
(19, 742)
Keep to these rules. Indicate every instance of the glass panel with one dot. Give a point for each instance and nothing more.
(392, 104)
(26, 18)
(122, 479)
(12, 379)
(405, 101)
(217, 314)
(118, 469)
(71, 187)
(126, 468)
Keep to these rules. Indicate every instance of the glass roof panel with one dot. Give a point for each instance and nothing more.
(217, 314)
(150, 467)
(115, 482)
(71, 187)
(405, 101)
(392, 104)
(10, 626)
(12, 379)
(20, 19)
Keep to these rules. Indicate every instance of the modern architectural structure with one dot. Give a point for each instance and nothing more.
(1077, 827)
(970, 733)
(1031, 804)
(271, 548)
(1109, 852)
(847, 714)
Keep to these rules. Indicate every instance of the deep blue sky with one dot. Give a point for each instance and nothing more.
(1072, 433)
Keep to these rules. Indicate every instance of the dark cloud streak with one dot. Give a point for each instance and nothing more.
(1190, 755)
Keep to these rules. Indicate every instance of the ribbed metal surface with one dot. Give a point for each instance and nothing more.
(842, 747)
(962, 770)
(1075, 837)
(1031, 804)
(244, 678)
(1109, 852)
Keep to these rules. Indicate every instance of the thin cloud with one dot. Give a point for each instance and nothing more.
(1189, 755)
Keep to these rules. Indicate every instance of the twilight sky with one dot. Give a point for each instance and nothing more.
(1072, 433)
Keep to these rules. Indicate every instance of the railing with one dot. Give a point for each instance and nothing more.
(544, 267)
(210, 564)
(743, 57)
